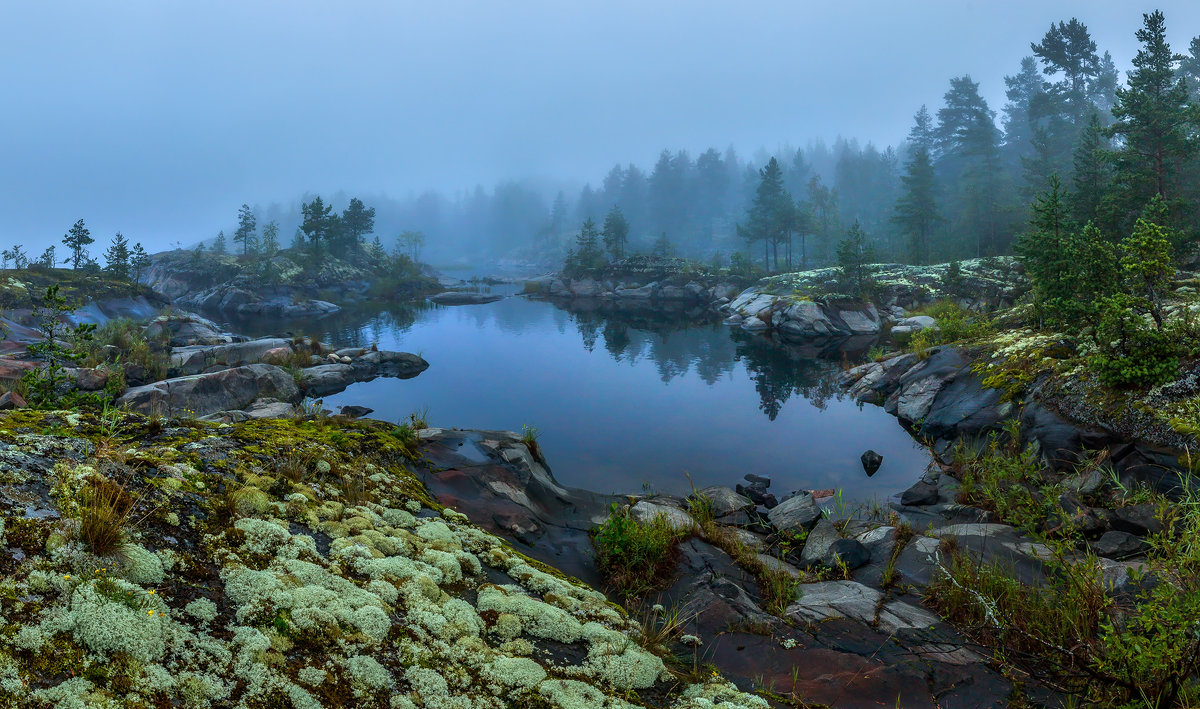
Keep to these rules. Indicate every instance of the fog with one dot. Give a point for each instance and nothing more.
(159, 119)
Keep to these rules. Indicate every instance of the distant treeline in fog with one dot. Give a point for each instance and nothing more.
(960, 186)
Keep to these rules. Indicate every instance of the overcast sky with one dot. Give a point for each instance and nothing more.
(159, 118)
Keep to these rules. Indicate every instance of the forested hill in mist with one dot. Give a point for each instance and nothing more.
(960, 186)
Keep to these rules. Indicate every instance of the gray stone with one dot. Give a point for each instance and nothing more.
(1086, 483)
(644, 511)
(724, 500)
(820, 539)
(753, 324)
(846, 552)
(1118, 545)
(795, 513)
(849, 599)
(922, 493)
(204, 394)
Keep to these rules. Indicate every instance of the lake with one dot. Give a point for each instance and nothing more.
(626, 403)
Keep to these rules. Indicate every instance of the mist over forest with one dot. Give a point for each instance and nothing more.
(960, 184)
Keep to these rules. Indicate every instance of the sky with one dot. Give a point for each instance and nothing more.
(159, 118)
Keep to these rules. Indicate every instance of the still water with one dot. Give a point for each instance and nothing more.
(628, 403)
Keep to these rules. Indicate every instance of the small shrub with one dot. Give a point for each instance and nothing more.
(636, 558)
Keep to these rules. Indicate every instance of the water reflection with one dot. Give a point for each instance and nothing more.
(626, 398)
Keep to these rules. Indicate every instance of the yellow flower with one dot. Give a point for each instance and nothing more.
(150, 613)
(67, 576)
(151, 592)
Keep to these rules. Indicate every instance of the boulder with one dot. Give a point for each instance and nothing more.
(194, 359)
(799, 512)
(354, 411)
(89, 378)
(326, 379)
(1139, 520)
(724, 500)
(1118, 545)
(871, 462)
(819, 541)
(828, 600)
(922, 493)
(644, 511)
(846, 552)
(12, 400)
(753, 324)
(185, 329)
(204, 394)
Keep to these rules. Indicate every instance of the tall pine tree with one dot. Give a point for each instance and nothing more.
(916, 210)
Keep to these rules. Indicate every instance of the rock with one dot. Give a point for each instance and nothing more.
(644, 511)
(734, 320)
(795, 513)
(757, 479)
(774, 564)
(89, 378)
(1139, 520)
(1118, 545)
(185, 329)
(643, 293)
(326, 379)
(1086, 483)
(753, 324)
(12, 400)
(194, 359)
(922, 493)
(268, 408)
(871, 462)
(204, 394)
(917, 323)
(850, 599)
(463, 298)
(277, 355)
(846, 552)
(819, 541)
(354, 411)
(724, 500)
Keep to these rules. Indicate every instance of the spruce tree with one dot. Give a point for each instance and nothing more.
(270, 239)
(616, 233)
(587, 246)
(1155, 120)
(317, 222)
(357, 221)
(770, 215)
(1092, 173)
(219, 245)
(916, 210)
(116, 258)
(854, 254)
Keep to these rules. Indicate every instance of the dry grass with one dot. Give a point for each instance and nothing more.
(105, 510)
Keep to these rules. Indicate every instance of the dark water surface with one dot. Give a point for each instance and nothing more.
(625, 403)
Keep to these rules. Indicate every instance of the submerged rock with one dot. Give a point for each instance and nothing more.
(871, 462)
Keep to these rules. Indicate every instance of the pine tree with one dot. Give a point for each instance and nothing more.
(662, 247)
(1155, 120)
(139, 261)
(246, 228)
(219, 246)
(916, 211)
(616, 233)
(969, 162)
(116, 258)
(47, 259)
(77, 240)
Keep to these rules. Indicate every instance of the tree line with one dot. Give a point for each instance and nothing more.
(121, 261)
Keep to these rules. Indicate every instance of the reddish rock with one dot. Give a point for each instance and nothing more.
(11, 400)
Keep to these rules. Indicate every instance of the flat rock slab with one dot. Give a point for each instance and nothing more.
(461, 298)
(645, 511)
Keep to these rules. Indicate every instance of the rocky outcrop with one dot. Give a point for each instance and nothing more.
(941, 398)
(797, 318)
(180, 329)
(464, 298)
(203, 394)
(634, 293)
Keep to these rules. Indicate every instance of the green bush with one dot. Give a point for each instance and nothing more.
(1131, 352)
(636, 558)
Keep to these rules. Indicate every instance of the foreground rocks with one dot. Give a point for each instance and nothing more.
(274, 564)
